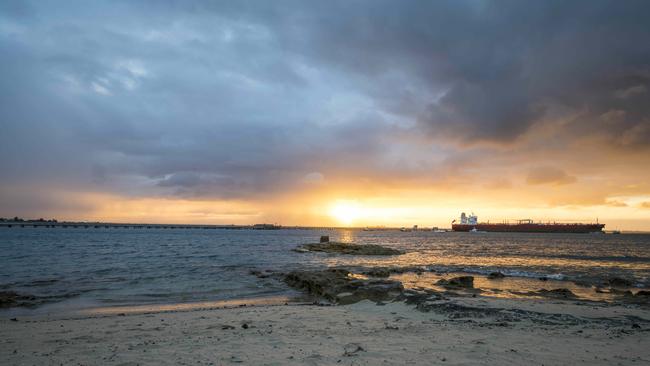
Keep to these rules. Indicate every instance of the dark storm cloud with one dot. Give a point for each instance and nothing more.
(496, 67)
(237, 99)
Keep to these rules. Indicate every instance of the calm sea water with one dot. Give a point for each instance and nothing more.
(99, 267)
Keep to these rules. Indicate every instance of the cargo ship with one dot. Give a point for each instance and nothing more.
(469, 223)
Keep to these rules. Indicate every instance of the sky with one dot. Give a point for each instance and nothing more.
(353, 113)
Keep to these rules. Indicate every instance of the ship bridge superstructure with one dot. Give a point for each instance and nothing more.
(468, 220)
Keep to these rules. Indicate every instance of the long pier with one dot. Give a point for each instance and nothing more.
(88, 225)
(103, 225)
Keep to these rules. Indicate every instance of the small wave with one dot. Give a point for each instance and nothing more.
(162, 294)
(583, 279)
(507, 272)
(614, 258)
(66, 295)
(104, 271)
(40, 283)
(516, 273)
(552, 276)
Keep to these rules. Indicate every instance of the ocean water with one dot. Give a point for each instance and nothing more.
(81, 268)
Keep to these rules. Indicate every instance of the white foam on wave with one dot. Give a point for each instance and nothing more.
(507, 272)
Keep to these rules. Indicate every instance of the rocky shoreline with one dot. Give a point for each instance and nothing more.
(381, 320)
(348, 248)
(343, 286)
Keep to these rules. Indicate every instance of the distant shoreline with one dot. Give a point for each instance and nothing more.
(99, 225)
(117, 225)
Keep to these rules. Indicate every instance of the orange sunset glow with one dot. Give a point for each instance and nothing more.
(276, 128)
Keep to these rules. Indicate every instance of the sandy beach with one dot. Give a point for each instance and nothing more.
(484, 331)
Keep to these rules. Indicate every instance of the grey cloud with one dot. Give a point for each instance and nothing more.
(242, 99)
(185, 179)
(496, 66)
(631, 91)
(28, 201)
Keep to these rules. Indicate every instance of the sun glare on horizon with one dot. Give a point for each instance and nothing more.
(346, 212)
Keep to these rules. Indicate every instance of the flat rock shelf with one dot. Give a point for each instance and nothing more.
(348, 248)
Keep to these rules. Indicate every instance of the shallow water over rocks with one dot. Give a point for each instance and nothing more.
(80, 268)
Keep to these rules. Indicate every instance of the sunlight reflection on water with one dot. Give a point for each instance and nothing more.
(135, 267)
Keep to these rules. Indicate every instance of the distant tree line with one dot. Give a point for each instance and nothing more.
(20, 219)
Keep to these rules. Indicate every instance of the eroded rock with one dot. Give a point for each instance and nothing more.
(378, 272)
(562, 293)
(348, 248)
(495, 275)
(619, 282)
(9, 299)
(262, 274)
(337, 285)
(415, 297)
(351, 349)
(620, 292)
(457, 282)
(399, 269)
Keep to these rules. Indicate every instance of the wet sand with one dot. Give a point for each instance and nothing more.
(460, 331)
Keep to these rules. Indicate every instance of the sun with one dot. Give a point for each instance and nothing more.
(345, 212)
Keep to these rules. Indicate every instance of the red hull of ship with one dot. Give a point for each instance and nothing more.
(532, 228)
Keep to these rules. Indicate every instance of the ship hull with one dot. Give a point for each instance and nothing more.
(531, 228)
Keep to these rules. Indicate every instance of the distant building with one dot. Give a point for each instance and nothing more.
(266, 227)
